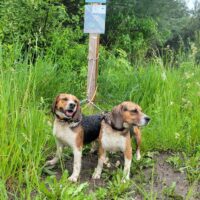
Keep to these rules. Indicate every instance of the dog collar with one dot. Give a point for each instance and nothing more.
(108, 121)
(63, 119)
(117, 129)
(72, 123)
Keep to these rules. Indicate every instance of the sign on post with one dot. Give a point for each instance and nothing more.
(94, 24)
(95, 16)
(95, 1)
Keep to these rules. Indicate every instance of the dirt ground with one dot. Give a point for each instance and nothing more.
(164, 176)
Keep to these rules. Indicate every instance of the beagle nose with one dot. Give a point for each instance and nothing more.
(72, 105)
(147, 119)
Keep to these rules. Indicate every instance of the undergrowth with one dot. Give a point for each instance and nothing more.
(171, 97)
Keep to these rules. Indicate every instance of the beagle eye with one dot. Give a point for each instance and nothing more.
(76, 101)
(60, 108)
(65, 99)
(125, 109)
(134, 111)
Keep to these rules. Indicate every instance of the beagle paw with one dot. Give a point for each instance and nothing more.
(73, 178)
(138, 156)
(96, 176)
(107, 163)
(125, 179)
(51, 162)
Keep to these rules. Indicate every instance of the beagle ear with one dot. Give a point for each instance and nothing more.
(116, 116)
(77, 116)
(53, 108)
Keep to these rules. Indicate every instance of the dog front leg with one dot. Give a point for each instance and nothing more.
(77, 165)
(58, 154)
(101, 160)
(127, 163)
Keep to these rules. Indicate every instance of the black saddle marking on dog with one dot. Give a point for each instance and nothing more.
(91, 125)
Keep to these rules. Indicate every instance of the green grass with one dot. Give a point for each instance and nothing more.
(170, 96)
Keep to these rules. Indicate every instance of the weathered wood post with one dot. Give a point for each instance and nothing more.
(93, 57)
(94, 24)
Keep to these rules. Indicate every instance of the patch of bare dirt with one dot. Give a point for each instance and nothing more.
(164, 176)
(168, 183)
(89, 163)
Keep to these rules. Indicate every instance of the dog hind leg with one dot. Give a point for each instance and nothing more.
(58, 154)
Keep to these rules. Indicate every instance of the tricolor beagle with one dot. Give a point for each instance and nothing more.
(72, 129)
(115, 134)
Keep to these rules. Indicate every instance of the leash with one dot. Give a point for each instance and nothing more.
(92, 103)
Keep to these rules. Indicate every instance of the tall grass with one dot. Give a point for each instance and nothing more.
(26, 91)
(24, 131)
(170, 97)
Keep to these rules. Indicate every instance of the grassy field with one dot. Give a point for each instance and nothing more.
(170, 96)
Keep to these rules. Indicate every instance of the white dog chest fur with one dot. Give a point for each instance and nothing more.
(113, 140)
(64, 134)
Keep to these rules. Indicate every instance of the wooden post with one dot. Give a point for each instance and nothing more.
(93, 57)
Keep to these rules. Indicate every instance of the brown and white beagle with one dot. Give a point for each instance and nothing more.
(72, 129)
(115, 134)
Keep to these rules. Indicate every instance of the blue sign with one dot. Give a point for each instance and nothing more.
(95, 1)
(95, 17)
